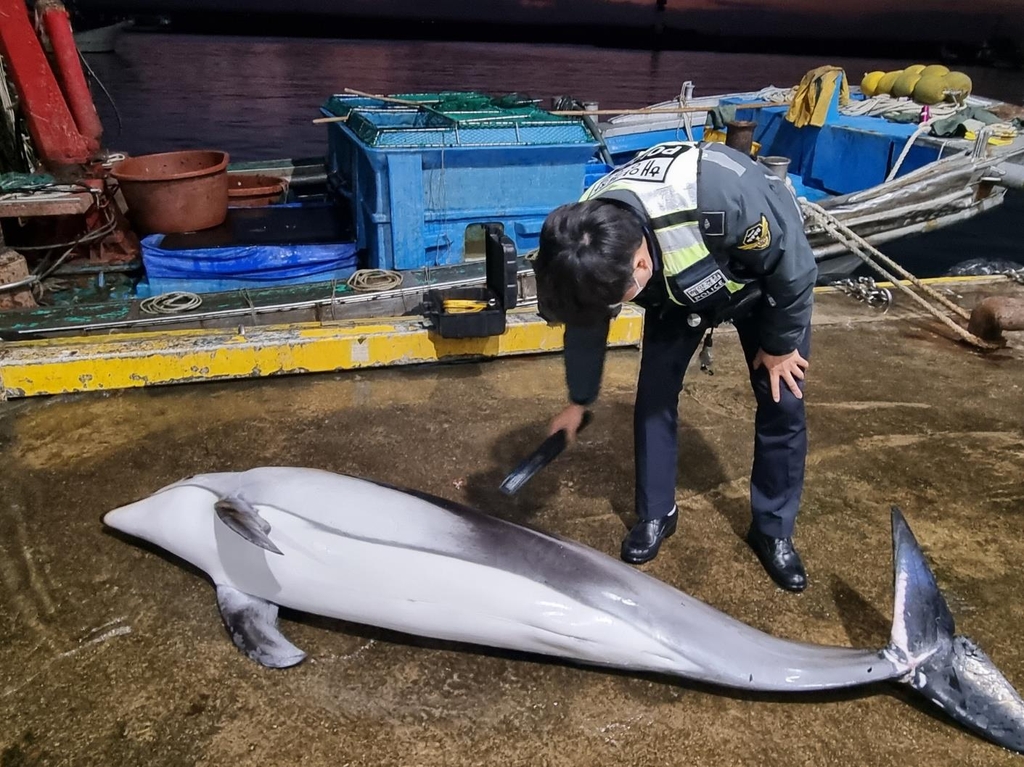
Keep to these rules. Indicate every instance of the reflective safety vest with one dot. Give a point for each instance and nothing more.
(664, 179)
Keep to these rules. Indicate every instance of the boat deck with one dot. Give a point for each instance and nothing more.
(820, 164)
(821, 157)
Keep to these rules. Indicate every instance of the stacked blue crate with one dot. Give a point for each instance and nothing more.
(416, 177)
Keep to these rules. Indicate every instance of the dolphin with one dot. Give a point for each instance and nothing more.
(365, 552)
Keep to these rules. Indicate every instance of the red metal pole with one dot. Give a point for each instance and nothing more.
(69, 71)
(53, 130)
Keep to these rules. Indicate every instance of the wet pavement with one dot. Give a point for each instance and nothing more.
(112, 654)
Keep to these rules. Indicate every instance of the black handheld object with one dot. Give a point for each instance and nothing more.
(547, 452)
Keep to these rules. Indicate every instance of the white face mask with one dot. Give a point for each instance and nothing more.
(639, 289)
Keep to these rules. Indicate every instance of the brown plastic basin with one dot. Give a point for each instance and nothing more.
(250, 190)
(175, 191)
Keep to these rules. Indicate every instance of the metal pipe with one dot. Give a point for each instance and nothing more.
(779, 166)
(740, 135)
(1008, 174)
(887, 235)
(8, 286)
(69, 71)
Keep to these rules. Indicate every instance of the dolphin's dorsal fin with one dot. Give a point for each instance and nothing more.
(252, 623)
(241, 517)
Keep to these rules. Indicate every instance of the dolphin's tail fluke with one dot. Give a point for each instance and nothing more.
(948, 669)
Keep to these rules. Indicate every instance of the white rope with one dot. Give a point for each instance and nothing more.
(923, 128)
(865, 250)
(371, 280)
(884, 105)
(114, 157)
(171, 303)
(686, 118)
(776, 95)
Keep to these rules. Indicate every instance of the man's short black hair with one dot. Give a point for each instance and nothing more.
(585, 261)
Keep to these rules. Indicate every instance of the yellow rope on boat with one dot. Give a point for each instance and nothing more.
(463, 306)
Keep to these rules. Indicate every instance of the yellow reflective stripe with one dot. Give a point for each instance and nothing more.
(680, 259)
(679, 237)
(675, 261)
(734, 287)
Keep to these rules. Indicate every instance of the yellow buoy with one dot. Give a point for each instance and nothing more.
(930, 89)
(935, 69)
(958, 84)
(888, 80)
(904, 85)
(869, 85)
(915, 69)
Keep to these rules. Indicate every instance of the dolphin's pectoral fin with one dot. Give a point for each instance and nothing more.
(241, 517)
(252, 623)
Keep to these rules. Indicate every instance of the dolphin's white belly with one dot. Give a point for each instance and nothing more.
(429, 594)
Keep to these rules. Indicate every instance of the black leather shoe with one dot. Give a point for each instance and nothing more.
(643, 541)
(779, 558)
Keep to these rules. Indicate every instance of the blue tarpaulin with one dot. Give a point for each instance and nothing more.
(231, 268)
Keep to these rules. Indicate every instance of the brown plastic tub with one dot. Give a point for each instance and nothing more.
(251, 190)
(175, 191)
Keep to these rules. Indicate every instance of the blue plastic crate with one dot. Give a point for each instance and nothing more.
(415, 192)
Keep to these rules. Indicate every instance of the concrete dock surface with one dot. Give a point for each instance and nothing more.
(111, 654)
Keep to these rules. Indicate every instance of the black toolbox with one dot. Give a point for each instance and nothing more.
(499, 294)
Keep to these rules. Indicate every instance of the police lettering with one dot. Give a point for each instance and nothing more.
(661, 150)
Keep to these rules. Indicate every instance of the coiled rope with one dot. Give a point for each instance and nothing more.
(171, 303)
(372, 280)
(875, 106)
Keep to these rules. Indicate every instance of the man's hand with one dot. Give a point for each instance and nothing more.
(788, 367)
(569, 421)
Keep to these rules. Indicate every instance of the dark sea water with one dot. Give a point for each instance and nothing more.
(256, 97)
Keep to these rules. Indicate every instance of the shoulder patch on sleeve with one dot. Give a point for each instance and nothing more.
(757, 237)
(712, 223)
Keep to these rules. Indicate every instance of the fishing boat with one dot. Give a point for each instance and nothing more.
(872, 163)
(101, 39)
(346, 258)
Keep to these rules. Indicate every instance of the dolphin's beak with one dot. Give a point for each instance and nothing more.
(126, 519)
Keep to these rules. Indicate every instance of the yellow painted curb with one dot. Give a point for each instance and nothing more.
(119, 361)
